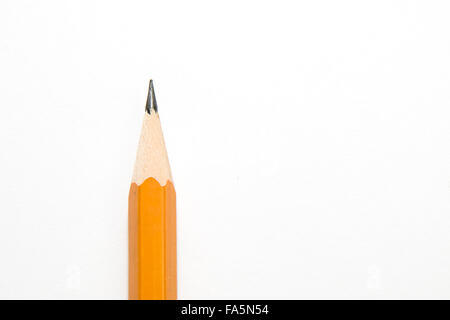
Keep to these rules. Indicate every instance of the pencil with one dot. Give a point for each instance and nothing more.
(152, 262)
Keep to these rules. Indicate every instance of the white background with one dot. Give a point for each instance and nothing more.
(309, 143)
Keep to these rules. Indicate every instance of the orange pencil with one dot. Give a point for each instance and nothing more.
(152, 264)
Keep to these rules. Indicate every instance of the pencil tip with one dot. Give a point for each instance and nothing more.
(151, 99)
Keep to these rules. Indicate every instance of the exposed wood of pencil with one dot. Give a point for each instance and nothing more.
(152, 215)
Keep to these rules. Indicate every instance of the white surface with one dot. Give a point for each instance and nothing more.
(309, 144)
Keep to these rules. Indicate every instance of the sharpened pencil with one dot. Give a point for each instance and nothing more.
(152, 273)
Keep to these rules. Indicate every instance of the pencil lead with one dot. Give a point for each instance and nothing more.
(151, 99)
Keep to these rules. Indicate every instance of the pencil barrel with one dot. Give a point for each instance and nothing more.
(152, 241)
